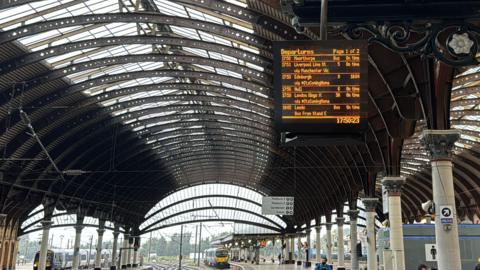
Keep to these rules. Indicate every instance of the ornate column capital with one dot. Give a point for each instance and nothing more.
(393, 184)
(439, 143)
(353, 214)
(340, 221)
(100, 231)
(329, 226)
(318, 228)
(308, 230)
(78, 228)
(115, 234)
(370, 204)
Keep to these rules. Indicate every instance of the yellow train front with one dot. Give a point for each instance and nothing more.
(217, 257)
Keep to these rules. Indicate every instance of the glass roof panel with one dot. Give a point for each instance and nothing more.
(213, 196)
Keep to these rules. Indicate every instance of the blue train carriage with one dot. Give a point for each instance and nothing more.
(217, 257)
(419, 242)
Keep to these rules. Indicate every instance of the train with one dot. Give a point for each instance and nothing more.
(61, 259)
(217, 257)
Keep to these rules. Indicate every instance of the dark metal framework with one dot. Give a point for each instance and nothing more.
(164, 99)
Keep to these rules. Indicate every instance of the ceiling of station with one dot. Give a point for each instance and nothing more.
(143, 98)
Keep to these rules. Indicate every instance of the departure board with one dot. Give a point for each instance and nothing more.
(321, 86)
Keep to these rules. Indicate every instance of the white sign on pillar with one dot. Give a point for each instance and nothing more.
(384, 200)
(277, 206)
(431, 252)
(446, 214)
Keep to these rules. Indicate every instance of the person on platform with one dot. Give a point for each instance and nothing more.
(422, 267)
(323, 265)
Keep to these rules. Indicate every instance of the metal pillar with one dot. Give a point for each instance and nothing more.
(46, 224)
(113, 265)
(353, 214)
(393, 186)
(199, 245)
(195, 248)
(370, 205)
(98, 256)
(440, 143)
(340, 243)
(76, 245)
(329, 242)
(318, 244)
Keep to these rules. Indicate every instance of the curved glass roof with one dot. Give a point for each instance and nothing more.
(221, 202)
(464, 116)
(187, 80)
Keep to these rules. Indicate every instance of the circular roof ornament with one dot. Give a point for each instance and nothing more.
(460, 43)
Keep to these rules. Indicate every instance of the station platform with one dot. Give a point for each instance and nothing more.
(276, 266)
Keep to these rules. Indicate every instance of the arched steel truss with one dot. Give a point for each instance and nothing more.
(193, 118)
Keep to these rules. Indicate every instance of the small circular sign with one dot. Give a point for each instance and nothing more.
(446, 212)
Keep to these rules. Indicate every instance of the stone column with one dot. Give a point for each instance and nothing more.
(98, 256)
(318, 244)
(370, 205)
(329, 243)
(124, 251)
(340, 243)
(440, 143)
(393, 185)
(307, 250)
(353, 214)
(42, 259)
(76, 245)
(113, 264)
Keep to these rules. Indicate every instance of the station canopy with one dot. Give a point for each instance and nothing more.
(134, 100)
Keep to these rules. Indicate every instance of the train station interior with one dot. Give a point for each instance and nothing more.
(242, 134)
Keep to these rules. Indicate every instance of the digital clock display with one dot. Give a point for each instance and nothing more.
(321, 86)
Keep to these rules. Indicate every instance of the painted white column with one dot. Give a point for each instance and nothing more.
(353, 214)
(393, 185)
(124, 251)
(340, 243)
(42, 259)
(318, 244)
(113, 264)
(329, 243)
(292, 249)
(440, 143)
(98, 256)
(286, 250)
(76, 245)
(129, 251)
(136, 246)
(370, 205)
(299, 246)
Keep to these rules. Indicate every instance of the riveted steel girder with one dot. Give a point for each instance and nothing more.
(54, 51)
(213, 28)
(251, 74)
